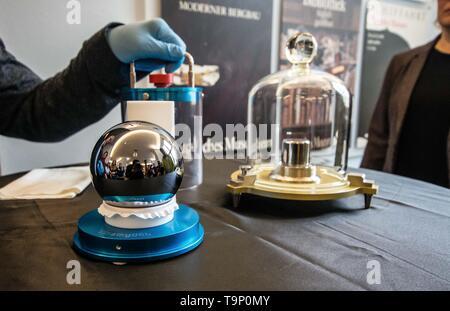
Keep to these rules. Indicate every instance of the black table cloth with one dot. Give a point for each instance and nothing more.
(262, 245)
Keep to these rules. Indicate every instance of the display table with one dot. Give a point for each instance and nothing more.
(263, 245)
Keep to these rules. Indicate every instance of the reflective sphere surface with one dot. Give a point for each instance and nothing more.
(301, 48)
(136, 164)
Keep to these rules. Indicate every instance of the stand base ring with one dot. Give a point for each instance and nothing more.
(98, 240)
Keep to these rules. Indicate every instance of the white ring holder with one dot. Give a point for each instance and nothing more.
(139, 217)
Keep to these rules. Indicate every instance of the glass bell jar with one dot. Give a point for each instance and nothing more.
(299, 103)
(298, 134)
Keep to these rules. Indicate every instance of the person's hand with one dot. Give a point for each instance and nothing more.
(151, 45)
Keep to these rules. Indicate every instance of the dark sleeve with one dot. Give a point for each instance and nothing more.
(58, 107)
(375, 153)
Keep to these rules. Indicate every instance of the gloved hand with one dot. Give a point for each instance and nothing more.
(151, 45)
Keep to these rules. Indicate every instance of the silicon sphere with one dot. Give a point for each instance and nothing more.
(136, 164)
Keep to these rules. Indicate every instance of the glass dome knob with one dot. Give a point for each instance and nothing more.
(301, 48)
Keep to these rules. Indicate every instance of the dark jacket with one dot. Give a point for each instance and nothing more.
(390, 111)
(53, 109)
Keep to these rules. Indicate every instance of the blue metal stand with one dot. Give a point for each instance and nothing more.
(98, 240)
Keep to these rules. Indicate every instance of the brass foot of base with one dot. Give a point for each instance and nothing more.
(236, 200)
(367, 200)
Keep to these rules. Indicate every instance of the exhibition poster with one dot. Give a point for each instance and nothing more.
(335, 26)
(391, 27)
(231, 41)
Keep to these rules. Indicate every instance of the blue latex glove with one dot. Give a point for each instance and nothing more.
(151, 45)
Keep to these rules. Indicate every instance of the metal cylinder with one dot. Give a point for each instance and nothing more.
(296, 152)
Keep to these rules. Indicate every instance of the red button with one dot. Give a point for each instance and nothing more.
(161, 79)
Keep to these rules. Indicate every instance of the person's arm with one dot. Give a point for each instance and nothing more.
(375, 153)
(89, 87)
(58, 107)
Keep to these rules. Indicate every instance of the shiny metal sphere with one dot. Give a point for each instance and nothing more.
(136, 164)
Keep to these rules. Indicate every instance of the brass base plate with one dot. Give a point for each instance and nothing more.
(332, 185)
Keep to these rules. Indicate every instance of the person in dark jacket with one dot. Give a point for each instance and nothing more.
(409, 133)
(52, 110)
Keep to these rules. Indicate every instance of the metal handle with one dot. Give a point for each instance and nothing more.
(132, 75)
(191, 73)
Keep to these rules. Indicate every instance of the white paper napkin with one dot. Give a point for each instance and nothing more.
(55, 183)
